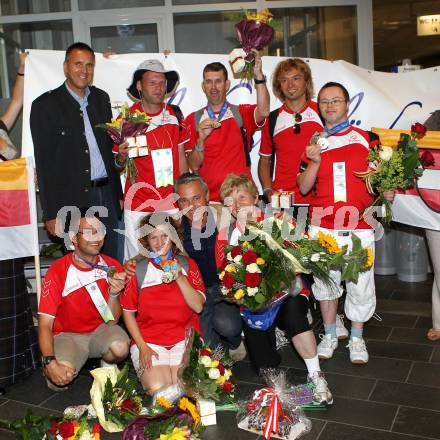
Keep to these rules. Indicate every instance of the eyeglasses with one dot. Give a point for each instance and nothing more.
(297, 126)
(336, 101)
(90, 234)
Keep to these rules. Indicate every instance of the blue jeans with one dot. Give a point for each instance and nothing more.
(220, 321)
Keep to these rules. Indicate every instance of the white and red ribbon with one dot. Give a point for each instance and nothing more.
(262, 397)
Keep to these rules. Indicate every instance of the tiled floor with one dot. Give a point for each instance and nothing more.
(396, 396)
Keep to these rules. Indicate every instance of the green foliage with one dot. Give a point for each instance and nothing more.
(29, 427)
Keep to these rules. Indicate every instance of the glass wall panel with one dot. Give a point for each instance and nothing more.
(204, 32)
(15, 7)
(117, 4)
(324, 32)
(125, 38)
(56, 35)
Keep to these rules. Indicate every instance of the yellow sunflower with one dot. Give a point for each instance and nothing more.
(328, 242)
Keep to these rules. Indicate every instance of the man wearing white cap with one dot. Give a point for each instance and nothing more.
(163, 157)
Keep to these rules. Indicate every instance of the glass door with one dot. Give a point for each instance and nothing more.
(124, 32)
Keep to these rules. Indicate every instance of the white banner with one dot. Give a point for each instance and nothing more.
(378, 99)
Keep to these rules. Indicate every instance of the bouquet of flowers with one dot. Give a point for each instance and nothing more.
(393, 167)
(207, 374)
(115, 398)
(127, 125)
(168, 422)
(254, 32)
(269, 255)
(33, 427)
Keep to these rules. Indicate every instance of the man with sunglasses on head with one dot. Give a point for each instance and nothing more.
(289, 128)
(338, 200)
(79, 307)
(221, 133)
(163, 158)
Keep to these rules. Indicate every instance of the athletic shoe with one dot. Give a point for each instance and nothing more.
(358, 351)
(239, 353)
(321, 393)
(327, 346)
(341, 331)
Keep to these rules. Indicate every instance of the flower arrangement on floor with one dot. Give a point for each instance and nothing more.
(394, 167)
(254, 32)
(115, 397)
(166, 421)
(32, 427)
(272, 411)
(206, 373)
(128, 125)
(264, 263)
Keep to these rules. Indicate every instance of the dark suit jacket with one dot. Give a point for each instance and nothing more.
(62, 153)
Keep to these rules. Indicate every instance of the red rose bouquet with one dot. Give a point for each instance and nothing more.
(127, 125)
(261, 270)
(394, 166)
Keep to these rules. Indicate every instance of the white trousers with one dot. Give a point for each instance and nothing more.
(433, 238)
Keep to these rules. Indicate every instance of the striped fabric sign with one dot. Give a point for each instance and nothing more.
(18, 219)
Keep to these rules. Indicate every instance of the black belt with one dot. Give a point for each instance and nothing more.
(99, 182)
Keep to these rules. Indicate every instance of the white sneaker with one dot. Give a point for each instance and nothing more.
(327, 346)
(239, 353)
(321, 393)
(358, 351)
(341, 331)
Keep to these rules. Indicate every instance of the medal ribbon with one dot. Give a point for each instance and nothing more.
(337, 128)
(223, 110)
(95, 265)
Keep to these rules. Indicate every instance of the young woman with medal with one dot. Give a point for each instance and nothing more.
(160, 302)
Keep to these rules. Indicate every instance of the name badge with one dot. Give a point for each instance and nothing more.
(339, 182)
(163, 167)
(99, 301)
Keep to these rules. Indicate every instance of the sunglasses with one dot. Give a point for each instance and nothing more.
(297, 126)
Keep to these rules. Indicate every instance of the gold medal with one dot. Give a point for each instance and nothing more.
(111, 271)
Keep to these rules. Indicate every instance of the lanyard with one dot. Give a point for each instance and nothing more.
(156, 258)
(109, 270)
(223, 110)
(337, 128)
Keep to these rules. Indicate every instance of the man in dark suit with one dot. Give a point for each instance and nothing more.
(74, 159)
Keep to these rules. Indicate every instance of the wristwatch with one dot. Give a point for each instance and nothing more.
(260, 81)
(46, 360)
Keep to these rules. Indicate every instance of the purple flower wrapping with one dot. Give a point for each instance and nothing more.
(254, 34)
(128, 129)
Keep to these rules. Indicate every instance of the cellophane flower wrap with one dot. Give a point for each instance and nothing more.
(115, 397)
(272, 412)
(170, 423)
(206, 373)
(127, 124)
(269, 255)
(254, 32)
(393, 167)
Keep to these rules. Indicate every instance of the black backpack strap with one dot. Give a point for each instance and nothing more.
(179, 115)
(141, 271)
(273, 116)
(235, 109)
